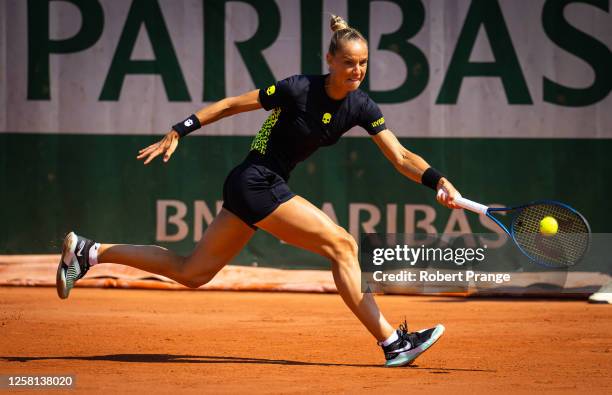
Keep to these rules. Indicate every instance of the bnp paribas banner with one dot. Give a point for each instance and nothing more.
(510, 98)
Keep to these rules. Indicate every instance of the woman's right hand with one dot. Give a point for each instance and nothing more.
(447, 194)
(166, 146)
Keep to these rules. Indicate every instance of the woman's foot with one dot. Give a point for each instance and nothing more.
(409, 345)
(73, 264)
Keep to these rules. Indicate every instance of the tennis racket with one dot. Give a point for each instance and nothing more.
(563, 249)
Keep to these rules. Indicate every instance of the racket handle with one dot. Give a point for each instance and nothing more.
(471, 205)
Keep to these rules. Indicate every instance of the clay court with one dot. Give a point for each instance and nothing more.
(276, 342)
(234, 107)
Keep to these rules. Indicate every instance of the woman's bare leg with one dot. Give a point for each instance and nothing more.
(222, 240)
(300, 223)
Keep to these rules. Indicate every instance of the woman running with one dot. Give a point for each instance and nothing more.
(307, 112)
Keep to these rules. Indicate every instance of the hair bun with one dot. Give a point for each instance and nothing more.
(337, 23)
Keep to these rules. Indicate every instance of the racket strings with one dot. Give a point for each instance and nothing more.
(565, 248)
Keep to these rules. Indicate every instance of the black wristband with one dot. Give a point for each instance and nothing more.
(187, 126)
(431, 177)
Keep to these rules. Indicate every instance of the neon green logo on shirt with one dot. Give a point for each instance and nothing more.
(271, 89)
(326, 118)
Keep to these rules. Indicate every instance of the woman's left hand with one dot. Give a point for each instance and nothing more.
(447, 194)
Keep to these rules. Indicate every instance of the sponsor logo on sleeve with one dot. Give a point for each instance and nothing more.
(378, 122)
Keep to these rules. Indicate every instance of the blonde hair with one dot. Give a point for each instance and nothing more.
(342, 32)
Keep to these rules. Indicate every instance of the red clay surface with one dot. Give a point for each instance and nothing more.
(239, 342)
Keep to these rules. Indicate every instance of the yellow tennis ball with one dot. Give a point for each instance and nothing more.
(549, 226)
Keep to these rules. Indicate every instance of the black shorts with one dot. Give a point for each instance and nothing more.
(253, 191)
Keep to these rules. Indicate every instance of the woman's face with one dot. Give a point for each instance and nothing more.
(348, 66)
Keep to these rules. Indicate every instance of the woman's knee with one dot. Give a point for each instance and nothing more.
(196, 274)
(197, 280)
(343, 248)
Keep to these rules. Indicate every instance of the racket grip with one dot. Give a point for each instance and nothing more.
(471, 205)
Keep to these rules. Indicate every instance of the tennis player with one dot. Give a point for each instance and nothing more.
(307, 112)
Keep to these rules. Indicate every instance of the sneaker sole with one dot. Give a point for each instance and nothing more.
(601, 298)
(68, 249)
(409, 356)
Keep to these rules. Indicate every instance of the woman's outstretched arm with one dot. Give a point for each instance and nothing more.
(229, 106)
(413, 166)
(209, 114)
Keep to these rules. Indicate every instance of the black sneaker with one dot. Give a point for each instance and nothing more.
(410, 345)
(73, 264)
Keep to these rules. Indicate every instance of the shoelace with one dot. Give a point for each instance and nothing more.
(412, 337)
(404, 327)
